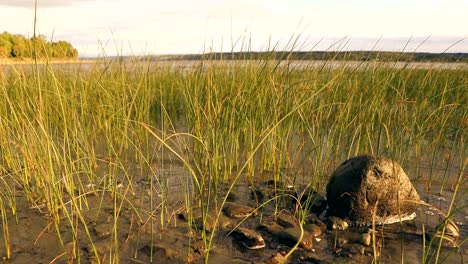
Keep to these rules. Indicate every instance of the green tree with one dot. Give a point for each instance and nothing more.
(20, 48)
(17, 46)
(5, 45)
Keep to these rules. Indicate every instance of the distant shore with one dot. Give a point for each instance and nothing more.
(193, 64)
(41, 61)
(335, 56)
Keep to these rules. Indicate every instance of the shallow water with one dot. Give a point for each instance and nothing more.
(190, 65)
(33, 238)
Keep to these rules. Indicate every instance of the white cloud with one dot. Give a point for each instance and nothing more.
(187, 26)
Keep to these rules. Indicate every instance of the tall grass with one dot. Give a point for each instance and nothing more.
(68, 131)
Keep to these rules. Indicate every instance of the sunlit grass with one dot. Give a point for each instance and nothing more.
(71, 131)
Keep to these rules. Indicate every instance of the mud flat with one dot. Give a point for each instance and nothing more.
(142, 237)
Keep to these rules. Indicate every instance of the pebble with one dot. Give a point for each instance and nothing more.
(160, 252)
(364, 239)
(248, 238)
(276, 258)
(103, 230)
(286, 220)
(335, 223)
(452, 230)
(290, 237)
(313, 229)
(273, 228)
(238, 210)
(311, 219)
(447, 241)
(429, 213)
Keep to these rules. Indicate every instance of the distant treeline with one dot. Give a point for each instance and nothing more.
(327, 55)
(18, 46)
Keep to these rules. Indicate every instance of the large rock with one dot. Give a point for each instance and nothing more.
(362, 182)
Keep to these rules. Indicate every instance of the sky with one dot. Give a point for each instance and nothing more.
(126, 27)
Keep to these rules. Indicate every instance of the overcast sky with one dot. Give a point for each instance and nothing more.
(194, 26)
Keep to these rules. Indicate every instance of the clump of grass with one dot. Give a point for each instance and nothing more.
(70, 131)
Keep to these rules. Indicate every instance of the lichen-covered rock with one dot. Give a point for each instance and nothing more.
(363, 183)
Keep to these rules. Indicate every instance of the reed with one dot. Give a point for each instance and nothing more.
(74, 130)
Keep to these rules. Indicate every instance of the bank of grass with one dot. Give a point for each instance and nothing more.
(67, 133)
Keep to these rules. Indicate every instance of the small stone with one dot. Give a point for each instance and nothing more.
(291, 236)
(313, 229)
(208, 223)
(238, 210)
(248, 238)
(449, 239)
(365, 239)
(272, 228)
(311, 257)
(342, 241)
(160, 252)
(276, 258)
(103, 230)
(312, 201)
(312, 219)
(452, 229)
(288, 236)
(361, 238)
(335, 223)
(286, 220)
(445, 241)
(429, 213)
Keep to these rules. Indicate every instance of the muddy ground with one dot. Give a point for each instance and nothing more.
(142, 237)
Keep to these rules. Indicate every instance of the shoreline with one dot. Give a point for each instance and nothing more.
(304, 64)
(54, 61)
